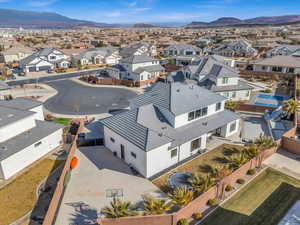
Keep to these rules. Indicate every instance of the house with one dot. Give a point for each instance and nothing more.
(212, 73)
(285, 50)
(140, 68)
(4, 90)
(278, 64)
(45, 59)
(16, 53)
(24, 135)
(239, 48)
(97, 56)
(182, 50)
(141, 48)
(167, 125)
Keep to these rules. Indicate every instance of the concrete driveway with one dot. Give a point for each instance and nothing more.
(77, 99)
(285, 162)
(91, 184)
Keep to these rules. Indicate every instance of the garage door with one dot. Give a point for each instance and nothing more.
(31, 69)
(44, 68)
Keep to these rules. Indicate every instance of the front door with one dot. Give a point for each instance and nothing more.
(122, 152)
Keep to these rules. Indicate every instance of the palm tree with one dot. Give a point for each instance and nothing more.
(291, 107)
(181, 196)
(224, 172)
(153, 206)
(231, 105)
(202, 184)
(252, 152)
(265, 142)
(118, 208)
(238, 160)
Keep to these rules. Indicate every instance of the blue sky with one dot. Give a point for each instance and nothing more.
(155, 11)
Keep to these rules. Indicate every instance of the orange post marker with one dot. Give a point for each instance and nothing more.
(74, 163)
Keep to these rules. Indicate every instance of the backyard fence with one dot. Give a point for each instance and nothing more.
(198, 205)
(54, 204)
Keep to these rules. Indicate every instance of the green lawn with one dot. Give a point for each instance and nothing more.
(264, 201)
(202, 164)
(63, 121)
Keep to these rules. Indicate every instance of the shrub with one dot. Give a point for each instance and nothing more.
(251, 172)
(197, 216)
(213, 202)
(49, 117)
(267, 91)
(183, 222)
(240, 181)
(228, 188)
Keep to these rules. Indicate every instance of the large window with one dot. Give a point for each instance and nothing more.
(232, 127)
(290, 70)
(225, 80)
(197, 114)
(195, 144)
(173, 152)
(277, 69)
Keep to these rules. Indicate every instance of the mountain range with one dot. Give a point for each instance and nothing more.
(232, 21)
(32, 19)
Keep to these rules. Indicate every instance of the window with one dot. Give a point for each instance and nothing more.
(233, 94)
(218, 106)
(52, 57)
(142, 77)
(232, 127)
(191, 116)
(226, 94)
(224, 80)
(133, 154)
(173, 152)
(277, 69)
(248, 94)
(37, 144)
(195, 144)
(290, 70)
(198, 113)
(112, 140)
(204, 111)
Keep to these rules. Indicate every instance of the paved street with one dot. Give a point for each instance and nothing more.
(51, 78)
(98, 172)
(76, 99)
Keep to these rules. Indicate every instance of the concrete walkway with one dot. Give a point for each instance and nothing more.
(285, 162)
(97, 174)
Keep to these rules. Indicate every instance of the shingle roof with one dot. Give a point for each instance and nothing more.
(10, 115)
(21, 103)
(153, 68)
(27, 138)
(137, 59)
(286, 61)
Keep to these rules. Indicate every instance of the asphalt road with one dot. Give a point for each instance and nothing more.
(51, 78)
(76, 99)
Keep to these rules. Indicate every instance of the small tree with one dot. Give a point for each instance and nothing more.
(221, 183)
(153, 206)
(118, 208)
(181, 196)
(202, 184)
(291, 107)
(264, 143)
(231, 105)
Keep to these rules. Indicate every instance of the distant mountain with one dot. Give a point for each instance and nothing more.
(231, 21)
(32, 19)
(143, 25)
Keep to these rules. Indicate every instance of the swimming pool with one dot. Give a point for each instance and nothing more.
(269, 100)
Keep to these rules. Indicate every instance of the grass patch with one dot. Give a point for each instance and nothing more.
(264, 201)
(19, 197)
(63, 121)
(202, 164)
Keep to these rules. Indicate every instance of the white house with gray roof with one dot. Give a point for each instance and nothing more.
(211, 72)
(24, 135)
(167, 125)
(239, 48)
(45, 59)
(139, 68)
(141, 48)
(284, 50)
